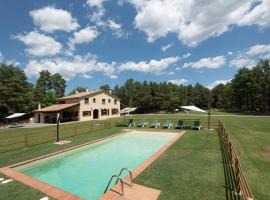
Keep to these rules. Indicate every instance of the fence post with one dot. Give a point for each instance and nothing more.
(237, 175)
(26, 142)
(230, 151)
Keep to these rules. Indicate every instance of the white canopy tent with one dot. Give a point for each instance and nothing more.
(15, 115)
(127, 110)
(193, 108)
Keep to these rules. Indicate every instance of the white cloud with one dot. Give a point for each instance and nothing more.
(196, 21)
(86, 76)
(217, 82)
(113, 76)
(97, 3)
(70, 67)
(210, 62)
(39, 44)
(85, 35)
(50, 19)
(166, 47)
(178, 81)
(153, 66)
(240, 62)
(259, 15)
(1, 57)
(186, 55)
(3, 60)
(171, 73)
(263, 50)
(97, 17)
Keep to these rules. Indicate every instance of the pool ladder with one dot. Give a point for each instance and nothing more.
(118, 178)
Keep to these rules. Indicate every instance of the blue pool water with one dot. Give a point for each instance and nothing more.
(86, 171)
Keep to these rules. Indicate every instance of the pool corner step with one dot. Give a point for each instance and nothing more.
(132, 193)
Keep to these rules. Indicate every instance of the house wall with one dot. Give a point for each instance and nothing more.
(43, 116)
(98, 105)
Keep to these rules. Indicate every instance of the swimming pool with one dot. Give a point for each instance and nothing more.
(86, 171)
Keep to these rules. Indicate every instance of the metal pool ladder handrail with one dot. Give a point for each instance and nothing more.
(117, 179)
(130, 176)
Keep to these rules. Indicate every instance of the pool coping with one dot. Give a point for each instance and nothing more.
(60, 194)
(136, 172)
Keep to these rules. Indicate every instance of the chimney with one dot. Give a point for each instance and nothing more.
(87, 90)
(39, 106)
(76, 92)
(110, 91)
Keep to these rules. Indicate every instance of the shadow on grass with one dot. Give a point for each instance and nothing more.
(229, 175)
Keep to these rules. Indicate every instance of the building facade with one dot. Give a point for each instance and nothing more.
(81, 107)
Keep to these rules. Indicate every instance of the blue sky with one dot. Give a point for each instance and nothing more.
(94, 42)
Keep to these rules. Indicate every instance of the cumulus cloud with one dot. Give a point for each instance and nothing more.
(210, 62)
(196, 21)
(262, 50)
(1, 57)
(178, 81)
(217, 82)
(70, 67)
(249, 57)
(153, 66)
(240, 62)
(50, 19)
(39, 44)
(85, 35)
(7, 61)
(97, 17)
(166, 47)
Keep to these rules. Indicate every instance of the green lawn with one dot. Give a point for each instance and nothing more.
(251, 138)
(191, 169)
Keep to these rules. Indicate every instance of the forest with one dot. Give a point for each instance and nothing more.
(248, 91)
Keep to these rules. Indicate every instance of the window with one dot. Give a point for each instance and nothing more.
(115, 101)
(103, 101)
(104, 112)
(94, 100)
(109, 100)
(86, 113)
(114, 111)
(86, 100)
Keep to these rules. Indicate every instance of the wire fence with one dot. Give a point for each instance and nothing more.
(236, 182)
(30, 138)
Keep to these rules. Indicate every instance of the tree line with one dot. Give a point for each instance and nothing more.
(19, 95)
(249, 90)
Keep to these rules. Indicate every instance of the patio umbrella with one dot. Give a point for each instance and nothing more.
(126, 111)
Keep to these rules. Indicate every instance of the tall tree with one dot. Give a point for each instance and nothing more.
(78, 89)
(58, 85)
(16, 92)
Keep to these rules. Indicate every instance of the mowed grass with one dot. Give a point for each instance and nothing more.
(190, 169)
(251, 138)
(17, 191)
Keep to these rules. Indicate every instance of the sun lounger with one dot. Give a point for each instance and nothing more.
(196, 125)
(142, 124)
(168, 124)
(180, 124)
(155, 124)
(130, 123)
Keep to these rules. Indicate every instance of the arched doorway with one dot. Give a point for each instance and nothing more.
(95, 114)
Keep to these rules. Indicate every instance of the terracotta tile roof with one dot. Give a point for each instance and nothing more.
(57, 107)
(83, 94)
